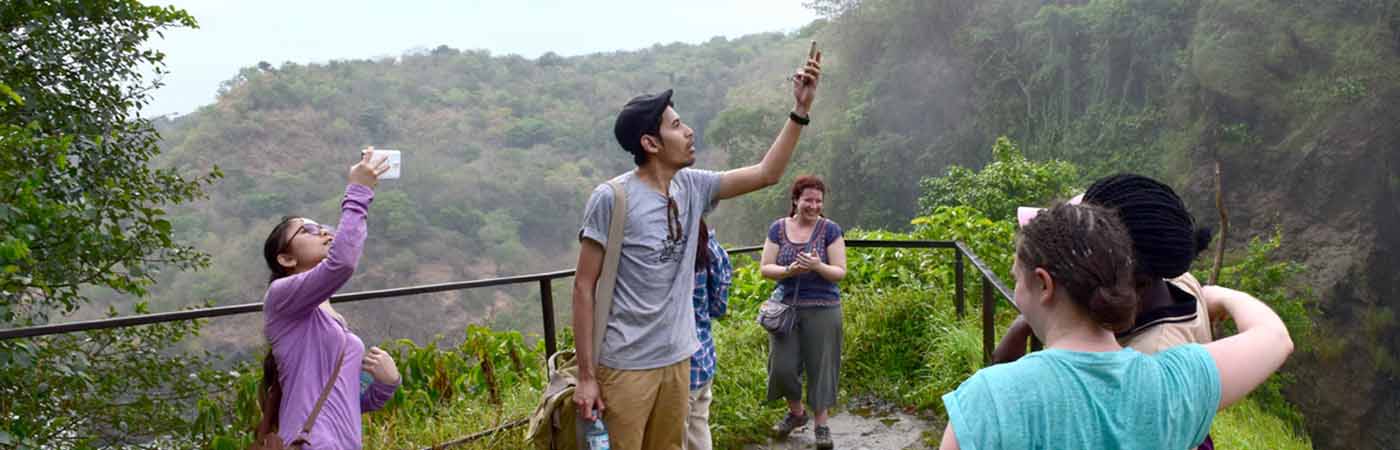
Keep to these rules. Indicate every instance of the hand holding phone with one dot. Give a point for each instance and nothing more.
(367, 170)
(394, 158)
(805, 80)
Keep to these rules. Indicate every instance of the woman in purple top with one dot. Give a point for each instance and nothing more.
(309, 262)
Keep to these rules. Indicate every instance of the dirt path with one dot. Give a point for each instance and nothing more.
(864, 425)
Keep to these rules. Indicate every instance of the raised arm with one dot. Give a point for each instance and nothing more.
(1246, 359)
(1013, 344)
(300, 294)
(767, 172)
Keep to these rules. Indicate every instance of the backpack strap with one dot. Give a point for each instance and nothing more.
(325, 393)
(603, 294)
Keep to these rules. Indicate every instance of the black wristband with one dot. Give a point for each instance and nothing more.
(800, 119)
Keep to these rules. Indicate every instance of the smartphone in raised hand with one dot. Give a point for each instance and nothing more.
(395, 160)
(393, 157)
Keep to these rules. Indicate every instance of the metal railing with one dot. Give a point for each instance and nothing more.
(991, 287)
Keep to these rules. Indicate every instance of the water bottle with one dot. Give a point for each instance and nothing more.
(365, 380)
(596, 435)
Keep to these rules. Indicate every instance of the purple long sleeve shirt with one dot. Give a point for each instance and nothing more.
(306, 340)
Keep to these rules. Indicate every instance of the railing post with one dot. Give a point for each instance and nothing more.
(547, 304)
(989, 310)
(961, 300)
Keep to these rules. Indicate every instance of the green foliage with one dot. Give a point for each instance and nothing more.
(119, 387)
(446, 393)
(82, 208)
(75, 158)
(1009, 181)
(1271, 278)
(1274, 280)
(913, 85)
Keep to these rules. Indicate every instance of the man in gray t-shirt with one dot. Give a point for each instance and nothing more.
(641, 384)
(655, 274)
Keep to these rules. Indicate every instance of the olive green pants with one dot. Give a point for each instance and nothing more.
(814, 347)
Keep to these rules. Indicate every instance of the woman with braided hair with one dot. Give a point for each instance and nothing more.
(1171, 306)
(1074, 278)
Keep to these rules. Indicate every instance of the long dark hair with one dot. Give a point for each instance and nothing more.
(269, 397)
(270, 390)
(273, 247)
(702, 248)
(1086, 249)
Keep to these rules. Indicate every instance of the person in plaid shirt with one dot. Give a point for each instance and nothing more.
(713, 275)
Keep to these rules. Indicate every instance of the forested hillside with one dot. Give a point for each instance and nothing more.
(1296, 100)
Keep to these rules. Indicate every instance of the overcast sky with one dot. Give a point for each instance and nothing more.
(236, 34)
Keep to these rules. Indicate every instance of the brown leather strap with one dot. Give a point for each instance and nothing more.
(325, 393)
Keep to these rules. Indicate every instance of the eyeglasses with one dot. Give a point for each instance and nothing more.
(309, 227)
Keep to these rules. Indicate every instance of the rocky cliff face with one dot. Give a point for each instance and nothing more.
(1322, 165)
(1337, 201)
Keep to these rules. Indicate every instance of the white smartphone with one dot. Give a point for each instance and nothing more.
(395, 159)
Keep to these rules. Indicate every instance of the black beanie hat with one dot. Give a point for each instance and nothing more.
(641, 116)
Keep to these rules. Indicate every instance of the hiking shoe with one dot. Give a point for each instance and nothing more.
(823, 437)
(787, 424)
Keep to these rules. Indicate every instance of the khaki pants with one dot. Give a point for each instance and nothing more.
(646, 409)
(697, 424)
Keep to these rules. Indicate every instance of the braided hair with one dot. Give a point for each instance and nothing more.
(1086, 250)
(1165, 236)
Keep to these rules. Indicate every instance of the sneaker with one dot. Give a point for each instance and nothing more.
(823, 438)
(789, 423)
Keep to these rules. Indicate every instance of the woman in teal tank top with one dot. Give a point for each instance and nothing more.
(1073, 272)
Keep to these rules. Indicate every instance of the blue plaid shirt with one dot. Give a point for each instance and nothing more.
(711, 301)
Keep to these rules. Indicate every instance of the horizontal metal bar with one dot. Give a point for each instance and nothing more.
(246, 308)
(899, 244)
(449, 286)
(118, 322)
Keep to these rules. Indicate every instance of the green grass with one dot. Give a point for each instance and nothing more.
(401, 429)
(1247, 425)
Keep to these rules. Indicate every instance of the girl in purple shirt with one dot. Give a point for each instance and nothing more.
(310, 262)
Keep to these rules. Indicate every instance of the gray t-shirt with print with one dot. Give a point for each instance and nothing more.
(652, 321)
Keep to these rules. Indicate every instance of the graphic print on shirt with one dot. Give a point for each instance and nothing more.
(672, 250)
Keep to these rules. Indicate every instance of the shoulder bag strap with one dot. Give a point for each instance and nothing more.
(603, 295)
(325, 393)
